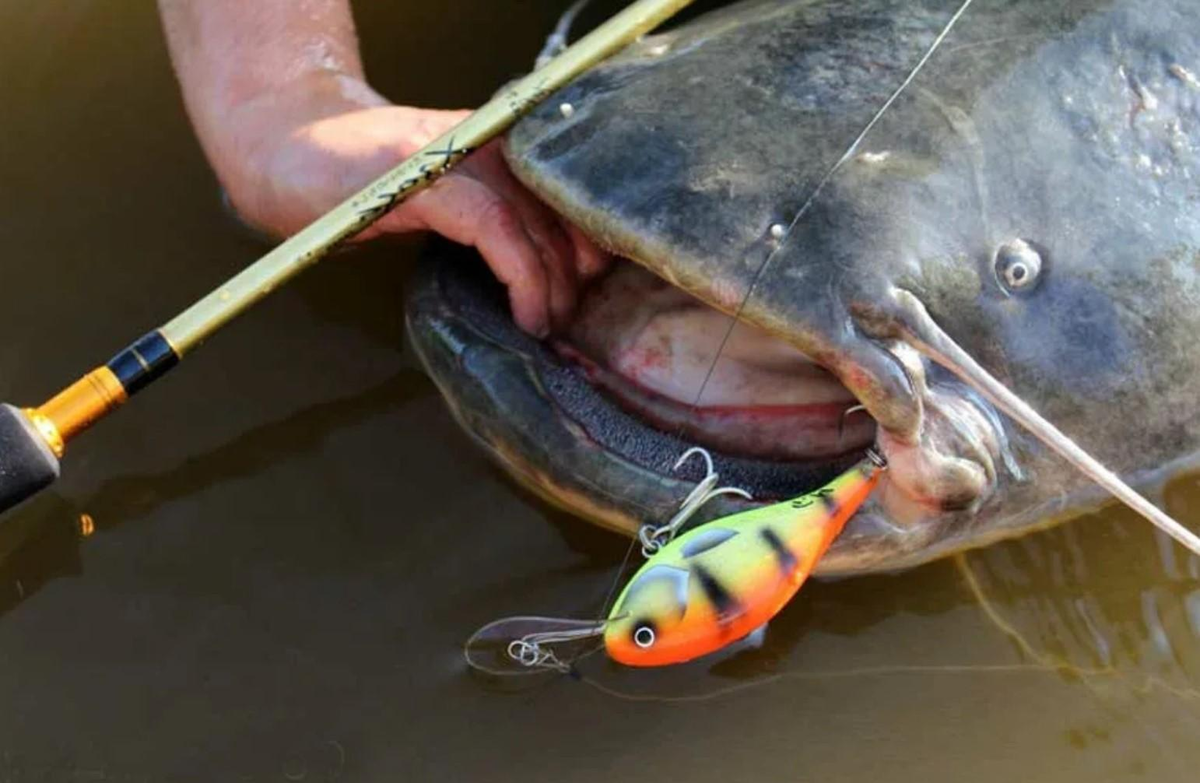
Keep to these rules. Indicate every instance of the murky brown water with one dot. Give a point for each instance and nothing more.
(294, 538)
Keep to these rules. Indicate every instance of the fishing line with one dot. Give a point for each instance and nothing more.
(1138, 685)
(810, 676)
(1141, 684)
(849, 153)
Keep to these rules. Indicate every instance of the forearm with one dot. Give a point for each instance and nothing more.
(243, 63)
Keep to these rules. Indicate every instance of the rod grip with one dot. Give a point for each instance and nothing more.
(27, 465)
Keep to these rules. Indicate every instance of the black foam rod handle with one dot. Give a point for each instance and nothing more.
(27, 464)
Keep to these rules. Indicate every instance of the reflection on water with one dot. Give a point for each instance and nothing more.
(1110, 603)
(294, 540)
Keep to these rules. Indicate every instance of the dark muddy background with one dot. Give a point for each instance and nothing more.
(294, 539)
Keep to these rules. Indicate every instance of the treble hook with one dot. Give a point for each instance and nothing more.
(655, 538)
(842, 420)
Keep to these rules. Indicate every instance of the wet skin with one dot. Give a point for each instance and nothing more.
(1031, 192)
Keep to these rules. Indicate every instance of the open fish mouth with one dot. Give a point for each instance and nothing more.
(593, 420)
(687, 368)
(957, 214)
(677, 363)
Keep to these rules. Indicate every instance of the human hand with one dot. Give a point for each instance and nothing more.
(295, 154)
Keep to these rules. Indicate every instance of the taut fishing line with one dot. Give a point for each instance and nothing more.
(858, 140)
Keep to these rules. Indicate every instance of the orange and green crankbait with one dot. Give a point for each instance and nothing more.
(705, 589)
(725, 579)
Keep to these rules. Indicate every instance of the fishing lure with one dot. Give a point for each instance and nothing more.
(725, 579)
(709, 587)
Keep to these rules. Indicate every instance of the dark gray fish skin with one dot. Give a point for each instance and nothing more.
(1072, 125)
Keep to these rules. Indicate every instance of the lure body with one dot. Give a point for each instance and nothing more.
(725, 579)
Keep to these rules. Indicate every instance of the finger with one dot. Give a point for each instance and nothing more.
(425, 125)
(542, 225)
(564, 290)
(469, 212)
(590, 260)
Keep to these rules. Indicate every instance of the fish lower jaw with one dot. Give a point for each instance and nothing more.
(776, 432)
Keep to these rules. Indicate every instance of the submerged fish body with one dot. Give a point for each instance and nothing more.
(842, 174)
(721, 581)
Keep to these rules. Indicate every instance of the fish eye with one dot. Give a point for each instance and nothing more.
(643, 636)
(1018, 266)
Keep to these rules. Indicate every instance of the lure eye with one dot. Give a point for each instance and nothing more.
(643, 636)
(1018, 266)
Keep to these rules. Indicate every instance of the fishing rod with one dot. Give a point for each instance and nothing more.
(34, 440)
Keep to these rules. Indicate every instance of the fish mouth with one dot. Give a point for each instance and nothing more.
(687, 369)
(594, 419)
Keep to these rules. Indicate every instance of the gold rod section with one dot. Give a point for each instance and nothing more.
(191, 327)
(77, 407)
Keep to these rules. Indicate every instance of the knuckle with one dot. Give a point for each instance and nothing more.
(499, 216)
